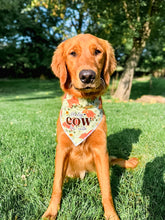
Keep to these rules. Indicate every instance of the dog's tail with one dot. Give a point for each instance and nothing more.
(130, 163)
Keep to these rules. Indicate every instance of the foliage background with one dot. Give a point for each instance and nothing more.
(31, 30)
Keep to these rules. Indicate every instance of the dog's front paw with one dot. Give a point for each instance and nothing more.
(111, 216)
(50, 214)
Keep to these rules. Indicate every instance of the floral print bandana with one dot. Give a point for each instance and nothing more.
(80, 117)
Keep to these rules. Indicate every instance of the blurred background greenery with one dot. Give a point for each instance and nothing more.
(30, 30)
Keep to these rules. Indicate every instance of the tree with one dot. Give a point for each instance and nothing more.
(74, 14)
(142, 28)
(28, 38)
(128, 26)
(31, 29)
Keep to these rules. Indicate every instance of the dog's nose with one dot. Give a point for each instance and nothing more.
(87, 76)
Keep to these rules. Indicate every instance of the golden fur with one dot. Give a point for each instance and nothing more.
(84, 52)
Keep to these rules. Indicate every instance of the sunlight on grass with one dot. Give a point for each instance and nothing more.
(28, 113)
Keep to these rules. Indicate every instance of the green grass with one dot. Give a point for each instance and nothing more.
(28, 114)
(148, 86)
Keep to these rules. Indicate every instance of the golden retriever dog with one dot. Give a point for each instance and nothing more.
(83, 64)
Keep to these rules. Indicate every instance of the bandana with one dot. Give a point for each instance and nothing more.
(80, 117)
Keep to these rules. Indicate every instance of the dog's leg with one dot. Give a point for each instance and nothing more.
(60, 169)
(101, 159)
(102, 168)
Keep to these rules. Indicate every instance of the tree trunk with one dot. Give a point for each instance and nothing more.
(124, 88)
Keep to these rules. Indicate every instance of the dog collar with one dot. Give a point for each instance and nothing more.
(80, 117)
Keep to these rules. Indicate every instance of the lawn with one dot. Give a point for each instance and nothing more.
(28, 114)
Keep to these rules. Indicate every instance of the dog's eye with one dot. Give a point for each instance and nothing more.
(73, 53)
(97, 52)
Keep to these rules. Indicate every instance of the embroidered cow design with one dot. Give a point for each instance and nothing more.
(80, 117)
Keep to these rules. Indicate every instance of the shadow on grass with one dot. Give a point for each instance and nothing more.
(30, 89)
(154, 187)
(120, 145)
(154, 87)
(34, 98)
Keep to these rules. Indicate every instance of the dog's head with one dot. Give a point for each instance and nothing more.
(84, 64)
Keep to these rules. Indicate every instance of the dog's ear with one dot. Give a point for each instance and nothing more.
(58, 64)
(110, 62)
